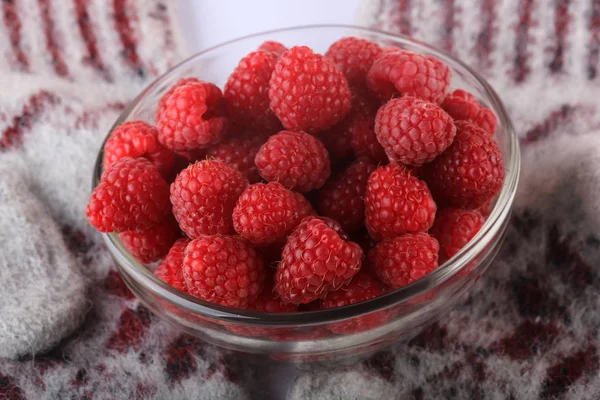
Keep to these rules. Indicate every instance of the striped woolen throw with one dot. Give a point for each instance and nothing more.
(70, 329)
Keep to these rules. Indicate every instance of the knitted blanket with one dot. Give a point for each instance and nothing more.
(69, 328)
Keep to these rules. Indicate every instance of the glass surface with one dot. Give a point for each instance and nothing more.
(398, 315)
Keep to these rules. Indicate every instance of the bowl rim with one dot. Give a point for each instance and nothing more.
(501, 211)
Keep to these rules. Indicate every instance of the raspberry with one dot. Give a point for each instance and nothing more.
(315, 261)
(269, 302)
(138, 139)
(272, 47)
(223, 270)
(333, 224)
(443, 72)
(267, 213)
(203, 196)
(297, 160)
(362, 287)
(462, 106)
(454, 228)
(338, 139)
(400, 261)
(239, 152)
(131, 195)
(170, 270)
(486, 208)
(304, 206)
(177, 85)
(354, 57)
(409, 74)
(153, 243)
(413, 131)
(307, 91)
(191, 117)
(469, 172)
(342, 197)
(247, 92)
(364, 140)
(396, 202)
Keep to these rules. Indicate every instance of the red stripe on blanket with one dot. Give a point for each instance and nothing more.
(404, 18)
(13, 23)
(51, 43)
(448, 28)
(181, 357)
(86, 31)
(594, 46)
(33, 108)
(549, 124)
(125, 30)
(132, 325)
(9, 389)
(487, 37)
(521, 67)
(561, 26)
(567, 371)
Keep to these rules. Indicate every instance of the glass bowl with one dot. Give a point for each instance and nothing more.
(349, 331)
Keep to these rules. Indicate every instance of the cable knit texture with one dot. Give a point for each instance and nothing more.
(69, 328)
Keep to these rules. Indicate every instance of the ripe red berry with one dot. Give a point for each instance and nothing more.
(454, 228)
(413, 131)
(191, 117)
(364, 139)
(443, 72)
(402, 260)
(396, 202)
(297, 160)
(203, 196)
(463, 106)
(363, 287)
(131, 195)
(343, 140)
(247, 92)
(138, 139)
(152, 244)
(406, 73)
(304, 206)
(223, 270)
(307, 91)
(337, 140)
(267, 213)
(269, 302)
(181, 82)
(272, 46)
(239, 151)
(342, 197)
(470, 172)
(486, 208)
(315, 261)
(354, 57)
(170, 270)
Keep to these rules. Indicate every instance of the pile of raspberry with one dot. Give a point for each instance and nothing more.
(308, 182)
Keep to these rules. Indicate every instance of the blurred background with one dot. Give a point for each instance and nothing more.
(208, 23)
